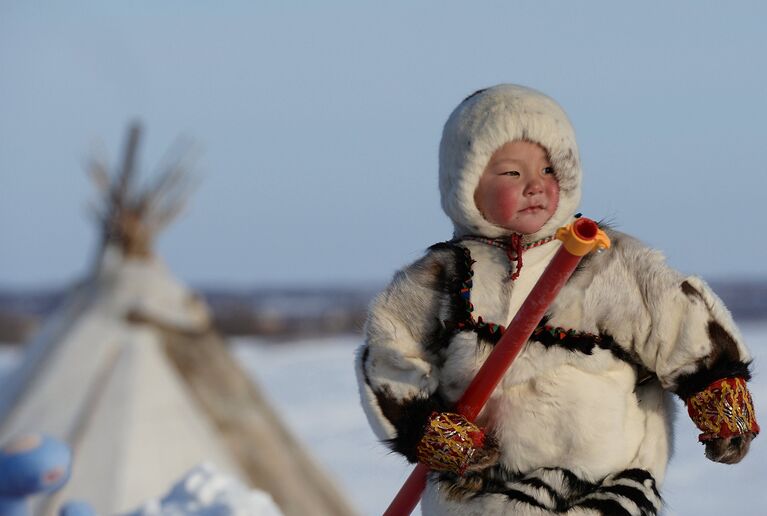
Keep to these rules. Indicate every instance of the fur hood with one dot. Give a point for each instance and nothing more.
(484, 122)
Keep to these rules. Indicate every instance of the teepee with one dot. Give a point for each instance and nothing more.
(130, 372)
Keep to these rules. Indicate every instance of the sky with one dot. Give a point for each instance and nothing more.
(316, 126)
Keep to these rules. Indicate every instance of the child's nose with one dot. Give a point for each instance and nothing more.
(534, 186)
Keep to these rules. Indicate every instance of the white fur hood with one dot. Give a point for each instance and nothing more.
(484, 122)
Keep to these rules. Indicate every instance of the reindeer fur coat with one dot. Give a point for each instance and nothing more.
(583, 416)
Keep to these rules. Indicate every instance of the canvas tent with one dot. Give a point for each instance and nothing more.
(130, 372)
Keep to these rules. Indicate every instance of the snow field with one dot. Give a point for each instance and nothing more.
(312, 384)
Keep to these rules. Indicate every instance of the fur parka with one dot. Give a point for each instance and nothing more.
(583, 416)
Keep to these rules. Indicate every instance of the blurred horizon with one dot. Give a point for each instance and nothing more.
(317, 127)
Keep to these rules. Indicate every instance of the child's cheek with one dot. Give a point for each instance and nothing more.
(505, 203)
(552, 193)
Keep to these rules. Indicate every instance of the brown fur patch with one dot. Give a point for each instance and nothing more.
(724, 345)
(428, 273)
(724, 361)
(691, 291)
(390, 406)
(461, 488)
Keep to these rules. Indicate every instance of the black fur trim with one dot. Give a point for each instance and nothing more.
(640, 476)
(575, 492)
(635, 474)
(460, 314)
(582, 343)
(691, 384)
(537, 483)
(409, 417)
(456, 270)
(487, 335)
(519, 496)
(452, 285)
(446, 245)
(478, 92)
(634, 494)
(723, 362)
(607, 342)
(575, 483)
(460, 308)
(498, 480)
(605, 507)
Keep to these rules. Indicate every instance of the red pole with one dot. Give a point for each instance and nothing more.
(410, 493)
(581, 237)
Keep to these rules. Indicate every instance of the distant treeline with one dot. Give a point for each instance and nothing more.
(294, 312)
(275, 312)
(289, 312)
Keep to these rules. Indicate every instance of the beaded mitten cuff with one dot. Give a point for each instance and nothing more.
(449, 442)
(723, 409)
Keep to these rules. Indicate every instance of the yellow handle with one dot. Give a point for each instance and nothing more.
(583, 236)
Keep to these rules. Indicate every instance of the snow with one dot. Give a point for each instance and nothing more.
(205, 491)
(313, 385)
(694, 484)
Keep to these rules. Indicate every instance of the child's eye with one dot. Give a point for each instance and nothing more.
(548, 170)
(510, 173)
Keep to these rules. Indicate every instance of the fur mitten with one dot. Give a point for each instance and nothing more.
(724, 412)
(453, 443)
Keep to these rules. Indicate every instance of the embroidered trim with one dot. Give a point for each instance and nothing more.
(503, 243)
(449, 442)
(556, 490)
(573, 340)
(723, 409)
(493, 332)
(585, 342)
(488, 330)
(514, 249)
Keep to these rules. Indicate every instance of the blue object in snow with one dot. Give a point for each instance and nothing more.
(76, 508)
(29, 465)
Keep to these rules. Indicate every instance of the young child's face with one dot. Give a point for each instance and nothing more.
(518, 190)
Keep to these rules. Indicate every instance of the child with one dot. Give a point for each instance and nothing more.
(581, 422)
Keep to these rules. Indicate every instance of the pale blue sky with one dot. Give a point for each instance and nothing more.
(319, 126)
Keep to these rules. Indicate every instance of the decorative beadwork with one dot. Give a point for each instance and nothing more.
(562, 333)
(723, 409)
(489, 330)
(493, 331)
(514, 249)
(449, 442)
(503, 243)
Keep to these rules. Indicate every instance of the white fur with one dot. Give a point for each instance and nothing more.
(381, 426)
(481, 125)
(555, 407)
